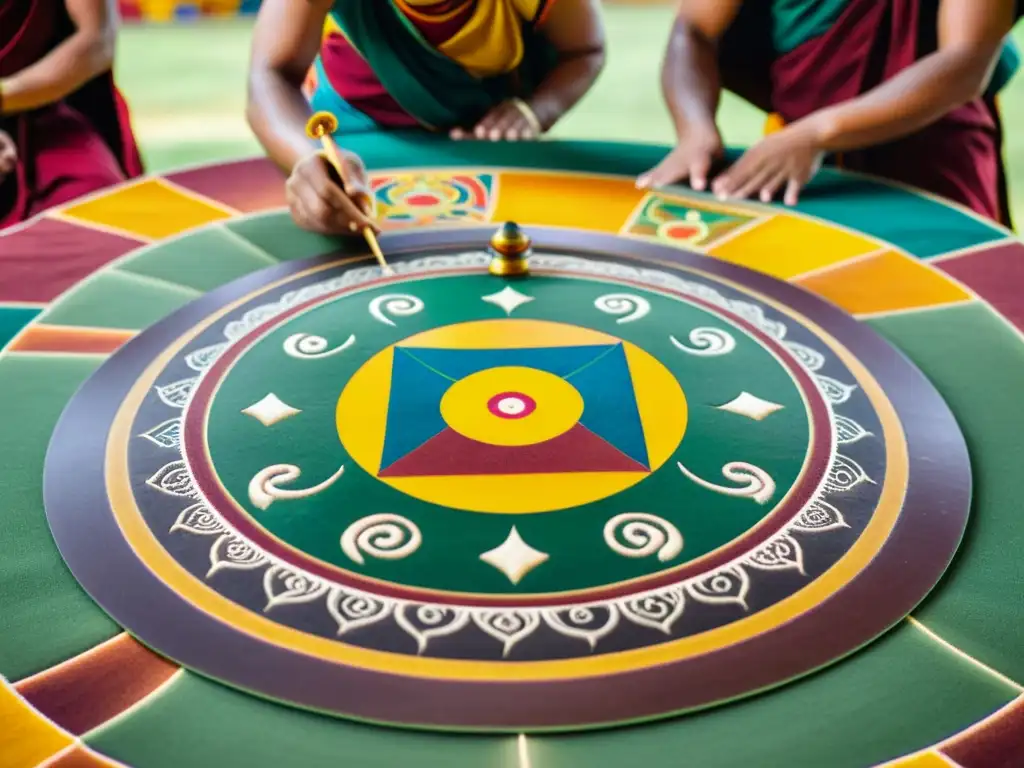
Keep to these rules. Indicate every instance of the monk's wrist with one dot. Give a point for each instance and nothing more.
(823, 129)
(700, 130)
(546, 111)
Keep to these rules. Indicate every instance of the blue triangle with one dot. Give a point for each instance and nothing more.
(414, 413)
(609, 403)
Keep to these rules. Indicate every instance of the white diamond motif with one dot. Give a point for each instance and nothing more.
(270, 410)
(751, 406)
(508, 298)
(514, 557)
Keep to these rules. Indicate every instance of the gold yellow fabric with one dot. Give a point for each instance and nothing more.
(491, 41)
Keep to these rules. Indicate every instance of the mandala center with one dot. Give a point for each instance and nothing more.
(511, 416)
(511, 405)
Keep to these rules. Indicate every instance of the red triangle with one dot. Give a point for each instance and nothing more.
(449, 453)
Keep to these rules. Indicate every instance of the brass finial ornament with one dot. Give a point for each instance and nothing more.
(321, 124)
(510, 247)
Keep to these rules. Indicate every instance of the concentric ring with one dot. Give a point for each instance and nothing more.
(866, 592)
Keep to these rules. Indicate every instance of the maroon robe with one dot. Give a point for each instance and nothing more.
(960, 157)
(68, 149)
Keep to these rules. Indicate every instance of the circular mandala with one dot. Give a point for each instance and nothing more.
(610, 491)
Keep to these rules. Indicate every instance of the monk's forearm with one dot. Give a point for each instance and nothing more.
(277, 112)
(68, 67)
(690, 79)
(565, 85)
(904, 104)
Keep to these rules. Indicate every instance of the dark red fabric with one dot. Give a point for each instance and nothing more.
(959, 157)
(68, 149)
(354, 80)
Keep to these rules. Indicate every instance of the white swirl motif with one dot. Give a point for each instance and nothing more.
(779, 554)
(508, 627)
(203, 358)
(264, 490)
(397, 304)
(658, 610)
(644, 535)
(836, 392)
(174, 479)
(809, 358)
(848, 430)
(167, 434)
(433, 620)
(589, 623)
(177, 393)
(231, 552)
(352, 610)
(306, 346)
(707, 342)
(726, 586)
(198, 519)
(819, 516)
(844, 474)
(384, 536)
(283, 586)
(756, 484)
(627, 304)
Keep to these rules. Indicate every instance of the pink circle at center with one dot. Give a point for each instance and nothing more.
(511, 405)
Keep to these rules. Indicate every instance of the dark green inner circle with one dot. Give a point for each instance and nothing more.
(453, 540)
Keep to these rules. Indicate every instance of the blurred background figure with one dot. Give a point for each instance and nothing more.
(64, 127)
(182, 65)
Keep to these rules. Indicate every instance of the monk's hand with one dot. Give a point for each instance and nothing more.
(788, 159)
(327, 200)
(8, 154)
(511, 120)
(690, 161)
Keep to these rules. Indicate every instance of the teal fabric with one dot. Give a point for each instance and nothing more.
(794, 22)
(1006, 68)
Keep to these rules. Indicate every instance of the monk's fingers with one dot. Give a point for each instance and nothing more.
(792, 195)
(348, 212)
(303, 217)
(771, 187)
(356, 184)
(675, 167)
(457, 134)
(326, 210)
(743, 185)
(510, 124)
(489, 126)
(700, 166)
(483, 129)
(522, 129)
(743, 176)
(324, 198)
(762, 177)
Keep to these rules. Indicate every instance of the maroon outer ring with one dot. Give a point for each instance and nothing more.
(198, 460)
